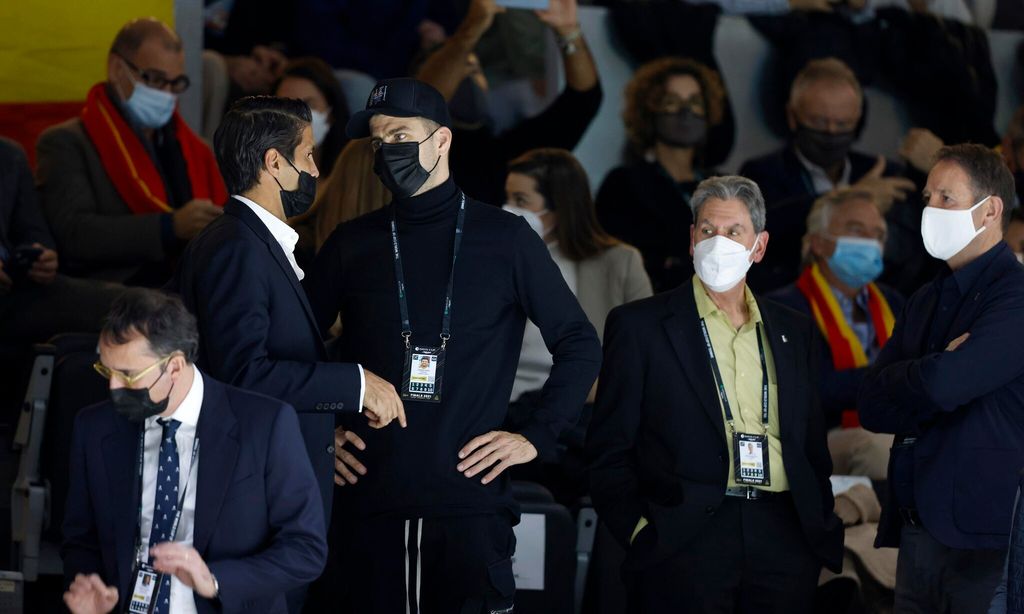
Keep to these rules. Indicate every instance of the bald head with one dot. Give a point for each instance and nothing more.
(139, 31)
(146, 51)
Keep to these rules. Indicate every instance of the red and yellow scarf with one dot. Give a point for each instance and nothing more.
(129, 166)
(847, 351)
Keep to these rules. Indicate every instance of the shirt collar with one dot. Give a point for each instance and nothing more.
(820, 177)
(188, 412)
(861, 300)
(282, 233)
(707, 307)
(969, 273)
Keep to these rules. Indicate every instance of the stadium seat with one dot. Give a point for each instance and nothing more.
(545, 577)
(62, 383)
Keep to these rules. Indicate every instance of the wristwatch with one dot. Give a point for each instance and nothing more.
(216, 587)
(568, 43)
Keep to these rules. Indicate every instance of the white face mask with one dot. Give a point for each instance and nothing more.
(321, 126)
(721, 263)
(947, 232)
(532, 218)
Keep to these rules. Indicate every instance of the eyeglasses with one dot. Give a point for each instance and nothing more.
(157, 79)
(128, 380)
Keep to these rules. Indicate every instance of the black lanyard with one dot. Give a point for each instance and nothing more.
(403, 305)
(721, 383)
(181, 501)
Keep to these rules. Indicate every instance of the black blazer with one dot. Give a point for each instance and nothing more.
(656, 446)
(258, 522)
(257, 331)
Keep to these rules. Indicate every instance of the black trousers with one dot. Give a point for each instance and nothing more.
(934, 579)
(750, 557)
(460, 565)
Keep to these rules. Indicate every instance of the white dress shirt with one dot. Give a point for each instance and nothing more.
(182, 600)
(287, 238)
(822, 182)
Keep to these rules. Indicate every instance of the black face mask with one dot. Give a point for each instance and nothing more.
(398, 166)
(469, 105)
(824, 149)
(681, 129)
(136, 405)
(298, 201)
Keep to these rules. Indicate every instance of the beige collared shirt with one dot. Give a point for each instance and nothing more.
(740, 364)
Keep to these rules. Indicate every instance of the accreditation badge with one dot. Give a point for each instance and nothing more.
(144, 589)
(750, 455)
(424, 370)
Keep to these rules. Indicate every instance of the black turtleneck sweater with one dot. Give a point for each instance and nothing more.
(504, 275)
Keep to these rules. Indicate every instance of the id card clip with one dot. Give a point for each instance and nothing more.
(423, 374)
(145, 582)
(750, 453)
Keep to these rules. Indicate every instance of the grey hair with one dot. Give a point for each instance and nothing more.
(831, 70)
(821, 215)
(731, 187)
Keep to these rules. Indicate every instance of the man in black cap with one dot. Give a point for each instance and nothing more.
(428, 519)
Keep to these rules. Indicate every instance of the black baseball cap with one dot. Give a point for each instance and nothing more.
(399, 98)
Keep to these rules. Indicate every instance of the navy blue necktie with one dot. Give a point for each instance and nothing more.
(1015, 568)
(166, 506)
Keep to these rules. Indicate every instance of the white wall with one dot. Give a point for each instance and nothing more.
(188, 22)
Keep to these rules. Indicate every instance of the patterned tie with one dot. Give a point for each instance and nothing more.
(166, 503)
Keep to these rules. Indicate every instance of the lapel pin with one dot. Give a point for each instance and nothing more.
(784, 340)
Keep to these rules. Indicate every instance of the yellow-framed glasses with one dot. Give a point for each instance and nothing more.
(128, 380)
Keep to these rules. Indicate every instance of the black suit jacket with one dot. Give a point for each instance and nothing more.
(257, 331)
(656, 446)
(258, 521)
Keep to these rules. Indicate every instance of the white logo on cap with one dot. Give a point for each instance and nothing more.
(378, 95)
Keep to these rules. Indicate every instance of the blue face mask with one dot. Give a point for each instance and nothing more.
(856, 262)
(149, 106)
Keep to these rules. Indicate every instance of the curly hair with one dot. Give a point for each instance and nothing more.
(647, 87)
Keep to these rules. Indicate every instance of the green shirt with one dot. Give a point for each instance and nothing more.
(740, 364)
